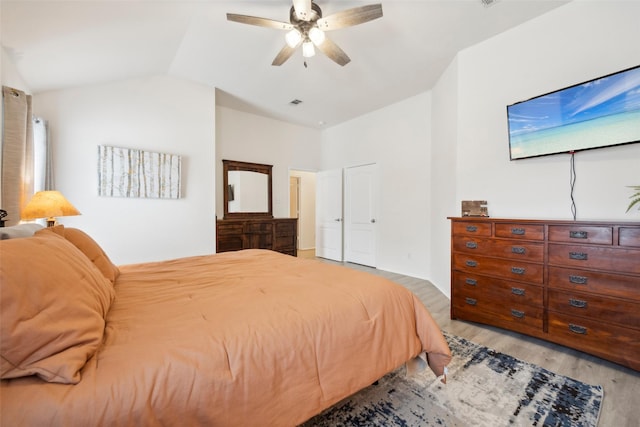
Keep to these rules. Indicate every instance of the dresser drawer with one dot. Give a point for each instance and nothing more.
(520, 231)
(611, 342)
(618, 260)
(602, 235)
(229, 243)
(471, 229)
(526, 251)
(611, 284)
(498, 290)
(258, 228)
(521, 318)
(504, 268)
(629, 236)
(284, 242)
(226, 229)
(621, 312)
(285, 229)
(229, 237)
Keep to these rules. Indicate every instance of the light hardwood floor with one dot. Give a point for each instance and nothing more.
(621, 403)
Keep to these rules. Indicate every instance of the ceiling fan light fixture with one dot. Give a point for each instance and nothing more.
(307, 26)
(307, 49)
(293, 37)
(316, 35)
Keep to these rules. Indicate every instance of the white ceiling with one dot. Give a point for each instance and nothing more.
(59, 44)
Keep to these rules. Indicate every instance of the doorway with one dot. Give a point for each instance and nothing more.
(302, 205)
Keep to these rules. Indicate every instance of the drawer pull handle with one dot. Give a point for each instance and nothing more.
(471, 301)
(471, 263)
(518, 250)
(517, 231)
(578, 234)
(472, 245)
(517, 270)
(578, 280)
(577, 303)
(472, 228)
(471, 282)
(577, 329)
(580, 256)
(517, 313)
(517, 291)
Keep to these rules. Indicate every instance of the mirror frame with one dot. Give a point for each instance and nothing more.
(233, 165)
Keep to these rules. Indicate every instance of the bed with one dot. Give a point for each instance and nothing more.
(252, 337)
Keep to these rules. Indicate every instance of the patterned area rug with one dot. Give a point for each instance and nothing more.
(484, 388)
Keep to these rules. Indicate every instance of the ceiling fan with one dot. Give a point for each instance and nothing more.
(306, 26)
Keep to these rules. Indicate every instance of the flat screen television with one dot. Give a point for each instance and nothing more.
(602, 112)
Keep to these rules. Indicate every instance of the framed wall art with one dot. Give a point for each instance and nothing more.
(126, 172)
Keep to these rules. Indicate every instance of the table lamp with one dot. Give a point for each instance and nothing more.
(48, 204)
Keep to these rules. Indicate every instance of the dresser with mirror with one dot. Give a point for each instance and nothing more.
(248, 221)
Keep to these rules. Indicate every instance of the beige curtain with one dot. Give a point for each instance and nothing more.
(16, 175)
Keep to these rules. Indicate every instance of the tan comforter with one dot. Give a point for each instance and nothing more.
(234, 339)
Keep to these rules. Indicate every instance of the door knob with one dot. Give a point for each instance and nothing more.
(338, 219)
(373, 221)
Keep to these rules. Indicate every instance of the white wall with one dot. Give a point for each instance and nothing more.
(162, 114)
(444, 156)
(251, 138)
(398, 139)
(574, 43)
(9, 74)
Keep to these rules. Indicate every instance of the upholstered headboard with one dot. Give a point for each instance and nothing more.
(20, 230)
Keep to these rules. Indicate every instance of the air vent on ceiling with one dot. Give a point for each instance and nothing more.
(295, 102)
(487, 3)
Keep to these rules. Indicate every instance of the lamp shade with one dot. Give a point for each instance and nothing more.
(48, 204)
(307, 49)
(292, 38)
(317, 36)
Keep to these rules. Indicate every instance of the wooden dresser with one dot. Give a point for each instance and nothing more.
(575, 283)
(277, 234)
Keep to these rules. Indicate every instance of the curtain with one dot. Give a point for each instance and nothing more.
(16, 174)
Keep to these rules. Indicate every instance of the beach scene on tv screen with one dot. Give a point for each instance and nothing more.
(598, 113)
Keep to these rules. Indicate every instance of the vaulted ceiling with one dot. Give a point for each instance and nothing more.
(61, 44)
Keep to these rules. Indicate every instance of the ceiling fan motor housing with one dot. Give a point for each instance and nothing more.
(314, 14)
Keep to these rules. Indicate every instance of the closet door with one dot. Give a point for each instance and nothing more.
(329, 214)
(361, 195)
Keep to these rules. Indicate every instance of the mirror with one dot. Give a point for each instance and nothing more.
(246, 189)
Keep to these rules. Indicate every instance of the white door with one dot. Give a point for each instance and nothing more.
(329, 214)
(360, 215)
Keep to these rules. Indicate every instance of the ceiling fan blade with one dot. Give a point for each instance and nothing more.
(350, 17)
(283, 55)
(334, 52)
(260, 22)
(303, 9)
